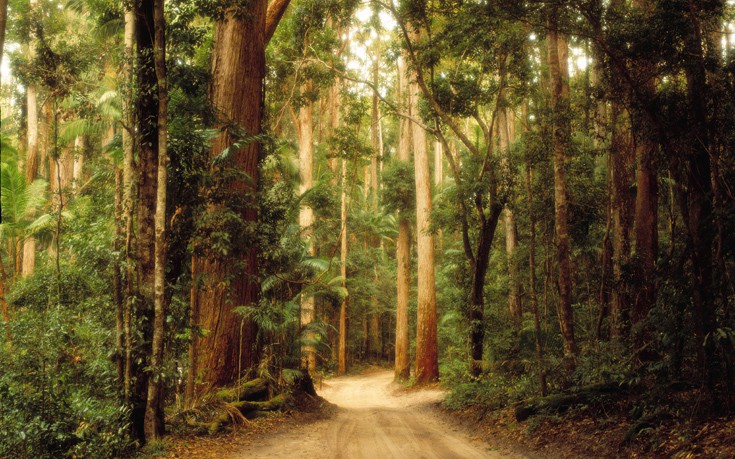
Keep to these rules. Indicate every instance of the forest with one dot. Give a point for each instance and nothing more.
(530, 203)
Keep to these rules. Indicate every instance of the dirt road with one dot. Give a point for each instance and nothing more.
(374, 420)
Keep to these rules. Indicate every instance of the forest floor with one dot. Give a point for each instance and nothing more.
(368, 416)
(600, 432)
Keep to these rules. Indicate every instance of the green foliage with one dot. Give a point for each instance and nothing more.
(399, 189)
(50, 352)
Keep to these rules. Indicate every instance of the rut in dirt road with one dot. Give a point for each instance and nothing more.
(374, 420)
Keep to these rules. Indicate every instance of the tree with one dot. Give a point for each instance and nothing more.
(427, 357)
(153, 421)
(559, 75)
(403, 249)
(306, 221)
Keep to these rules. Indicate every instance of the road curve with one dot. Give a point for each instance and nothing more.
(374, 420)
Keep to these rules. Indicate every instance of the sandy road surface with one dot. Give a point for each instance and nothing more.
(373, 421)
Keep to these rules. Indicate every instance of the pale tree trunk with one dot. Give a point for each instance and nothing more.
(427, 363)
(77, 164)
(558, 69)
(333, 105)
(342, 348)
(402, 368)
(306, 222)
(117, 278)
(374, 316)
(505, 138)
(128, 198)
(3, 21)
(29, 244)
(153, 418)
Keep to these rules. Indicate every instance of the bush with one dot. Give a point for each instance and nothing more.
(58, 389)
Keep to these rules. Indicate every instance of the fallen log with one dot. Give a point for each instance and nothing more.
(253, 390)
(249, 409)
(559, 403)
(650, 421)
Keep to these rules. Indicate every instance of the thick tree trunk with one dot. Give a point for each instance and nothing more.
(153, 413)
(402, 367)
(147, 140)
(558, 69)
(427, 363)
(306, 221)
(238, 67)
(700, 216)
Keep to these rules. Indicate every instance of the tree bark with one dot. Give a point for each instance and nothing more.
(342, 351)
(153, 418)
(128, 198)
(622, 216)
(3, 22)
(146, 124)
(402, 366)
(29, 243)
(700, 213)
(515, 307)
(306, 222)
(238, 68)
(558, 69)
(427, 363)
(532, 282)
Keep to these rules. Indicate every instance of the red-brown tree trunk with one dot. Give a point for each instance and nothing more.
(558, 69)
(238, 68)
(427, 360)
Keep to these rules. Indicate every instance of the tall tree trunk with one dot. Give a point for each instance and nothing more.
(558, 70)
(374, 316)
(402, 367)
(146, 125)
(128, 197)
(306, 222)
(427, 363)
(193, 373)
(505, 138)
(29, 244)
(622, 217)
(532, 281)
(342, 351)
(238, 68)
(700, 216)
(3, 22)
(117, 280)
(153, 413)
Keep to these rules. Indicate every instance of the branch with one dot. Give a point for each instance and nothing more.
(273, 17)
(372, 86)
